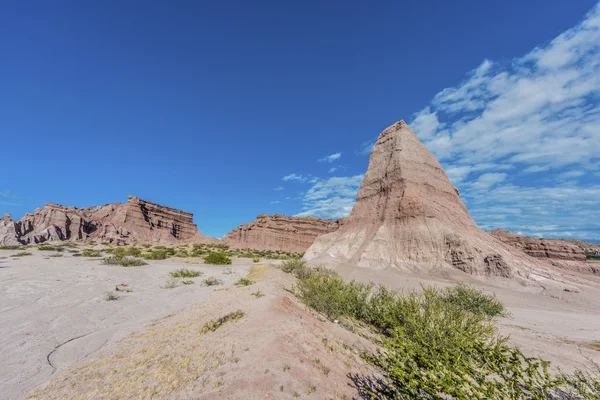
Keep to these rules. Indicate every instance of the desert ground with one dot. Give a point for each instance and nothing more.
(60, 337)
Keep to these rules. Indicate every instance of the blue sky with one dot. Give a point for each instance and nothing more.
(233, 109)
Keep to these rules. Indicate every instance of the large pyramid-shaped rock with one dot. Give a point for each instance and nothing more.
(409, 216)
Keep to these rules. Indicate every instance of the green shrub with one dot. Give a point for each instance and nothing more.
(110, 296)
(124, 262)
(187, 282)
(185, 273)
(160, 254)
(170, 284)
(217, 259)
(49, 248)
(432, 348)
(474, 300)
(244, 282)
(297, 267)
(585, 383)
(90, 253)
(56, 255)
(10, 247)
(212, 326)
(255, 259)
(212, 282)
(21, 254)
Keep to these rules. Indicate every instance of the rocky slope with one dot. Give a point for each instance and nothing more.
(135, 221)
(541, 248)
(409, 216)
(279, 232)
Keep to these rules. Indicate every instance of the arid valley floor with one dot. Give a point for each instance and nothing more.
(61, 338)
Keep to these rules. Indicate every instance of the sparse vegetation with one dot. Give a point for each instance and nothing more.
(584, 383)
(286, 367)
(90, 253)
(11, 247)
(171, 283)
(212, 326)
(187, 282)
(258, 294)
(217, 259)
(296, 267)
(111, 296)
(124, 262)
(56, 255)
(255, 259)
(22, 254)
(46, 247)
(421, 334)
(212, 281)
(185, 273)
(244, 282)
(474, 300)
(159, 253)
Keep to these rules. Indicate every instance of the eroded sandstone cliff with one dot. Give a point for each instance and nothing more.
(409, 216)
(554, 249)
(135, 221)
(279, 232)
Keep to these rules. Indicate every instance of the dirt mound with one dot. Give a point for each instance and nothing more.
(409, 216)
(279, 232)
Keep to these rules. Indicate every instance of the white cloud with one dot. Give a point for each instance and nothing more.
(509, 120)
(279, 188)
(332, 170)
(486, 181)
(295, 177)
(331, 198)
(331, 157)
(275, 202)
(571, 174)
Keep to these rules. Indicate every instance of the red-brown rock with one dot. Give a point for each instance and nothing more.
(135, 221)
(279, 232)
(554, 249)
(409, 216)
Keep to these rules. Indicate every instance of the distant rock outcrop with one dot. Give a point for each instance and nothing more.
(554, 249)
(409, 216)
(135, 221)
(279, 232)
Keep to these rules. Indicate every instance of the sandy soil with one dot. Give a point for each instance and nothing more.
(53, 311)
(59, 334)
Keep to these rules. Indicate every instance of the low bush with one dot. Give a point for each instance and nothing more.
(49, 248)
(474, 300)
(90, 253)
(170, 284)
(212, 326)
(185, 273)
(110, 296)
(56, 255)
(124, 262)
(244, 282)
(255, 259)
(22, 254)
(159, 254)
(212, 282)
(10, 247)
(297, 267)
(432, 347)
(217, 259)
(187, 282)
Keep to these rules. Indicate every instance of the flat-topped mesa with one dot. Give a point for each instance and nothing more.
(279, 232)
(135, 221)
(554, 249)
(409, 216)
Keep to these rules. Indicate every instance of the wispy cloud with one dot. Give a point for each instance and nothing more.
(536, 114)
(332, 170)
(331, 198)
(279, 188)
(331, 157)
(295, 177)
(275, 202)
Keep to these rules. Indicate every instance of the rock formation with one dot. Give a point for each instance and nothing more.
(409, 216)
(279, 232)
(135, 221)
(554, 249)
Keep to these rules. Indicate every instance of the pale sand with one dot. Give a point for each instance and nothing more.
(278, 347)
(53, 313)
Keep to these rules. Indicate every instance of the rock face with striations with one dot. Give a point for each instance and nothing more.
(409, 216)
(135, 221)
(279, 232)
(554, 249)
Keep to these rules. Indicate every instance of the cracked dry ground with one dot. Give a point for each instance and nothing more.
(276, 349)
